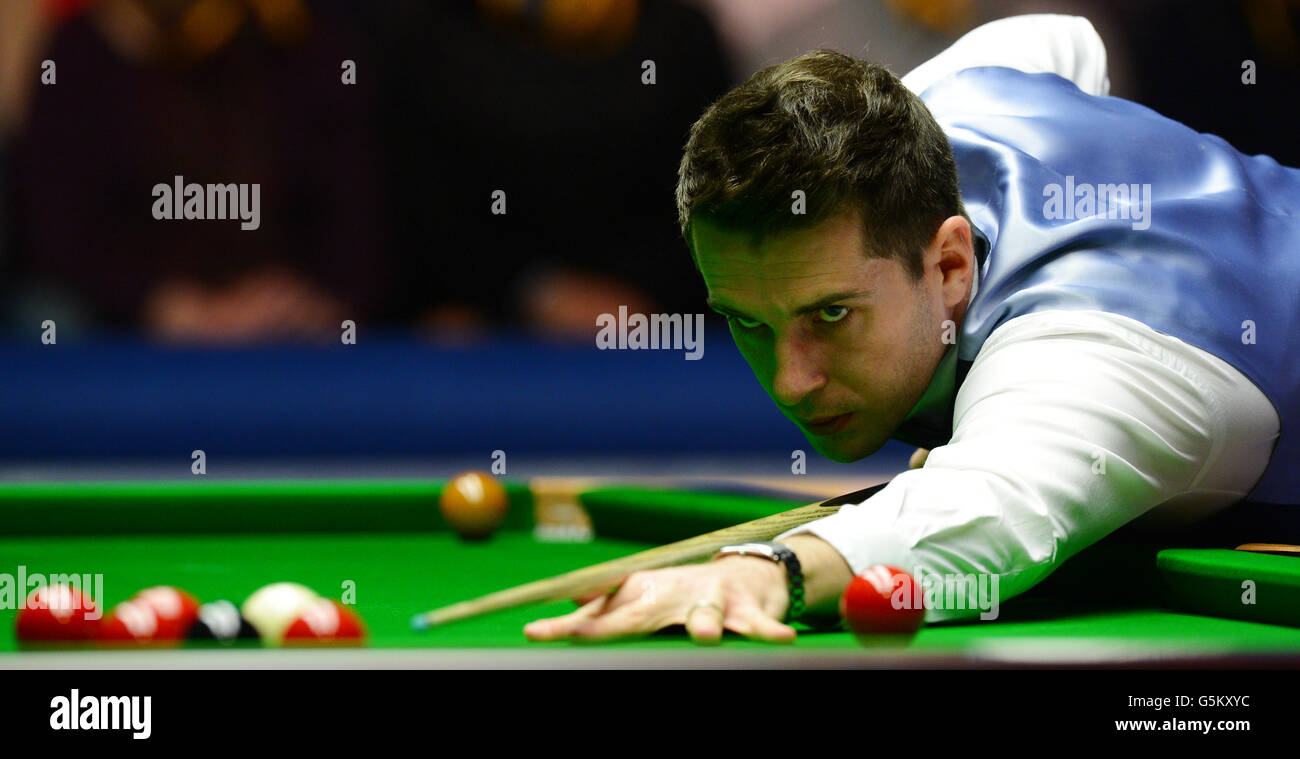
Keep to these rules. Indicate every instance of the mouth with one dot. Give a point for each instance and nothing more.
(826, 425)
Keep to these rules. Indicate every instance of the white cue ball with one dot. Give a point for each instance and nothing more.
(271, 609)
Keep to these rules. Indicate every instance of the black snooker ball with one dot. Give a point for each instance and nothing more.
(220, 621)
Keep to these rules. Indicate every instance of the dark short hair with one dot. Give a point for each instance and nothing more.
(846, 132)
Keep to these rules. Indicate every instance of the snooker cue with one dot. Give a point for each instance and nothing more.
(602, 576)
(1279, 549)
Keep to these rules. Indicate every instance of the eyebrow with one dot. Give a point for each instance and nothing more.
(817, 305)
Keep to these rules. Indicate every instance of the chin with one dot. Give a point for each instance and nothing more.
(847, 450)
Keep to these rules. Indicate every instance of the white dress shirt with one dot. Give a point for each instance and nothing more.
(1069, 424)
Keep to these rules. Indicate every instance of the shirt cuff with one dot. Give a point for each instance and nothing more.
(864, 533)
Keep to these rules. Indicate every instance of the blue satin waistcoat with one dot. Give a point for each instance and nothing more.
(1056, 181)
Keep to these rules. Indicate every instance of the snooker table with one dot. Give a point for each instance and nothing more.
(385, 538)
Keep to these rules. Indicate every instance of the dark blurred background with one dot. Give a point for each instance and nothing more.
(376, 196)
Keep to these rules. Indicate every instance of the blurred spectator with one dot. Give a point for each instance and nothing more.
(215, 91)
(900, 34)
(545, 102)
(24, 30)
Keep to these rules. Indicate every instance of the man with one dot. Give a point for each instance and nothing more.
(1079, 356)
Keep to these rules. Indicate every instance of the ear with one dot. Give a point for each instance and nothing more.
(952, 255)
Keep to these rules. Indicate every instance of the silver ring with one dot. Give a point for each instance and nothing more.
(699, 604)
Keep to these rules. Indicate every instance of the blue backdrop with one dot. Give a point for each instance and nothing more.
(385, 395)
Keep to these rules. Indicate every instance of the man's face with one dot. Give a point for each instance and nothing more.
(843, 343)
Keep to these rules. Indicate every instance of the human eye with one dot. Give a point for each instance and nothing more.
(832, 314)
(743, 323)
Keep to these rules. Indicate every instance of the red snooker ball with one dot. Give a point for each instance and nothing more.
(56, 613)
(131, 623)
(177, 611)
(883, 604)
(325, 622)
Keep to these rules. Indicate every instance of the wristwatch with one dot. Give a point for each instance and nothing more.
(781, 555)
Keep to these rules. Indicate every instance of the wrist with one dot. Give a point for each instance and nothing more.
(825, 571)
(781, 557)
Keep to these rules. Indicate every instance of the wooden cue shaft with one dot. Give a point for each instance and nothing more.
(606, 574)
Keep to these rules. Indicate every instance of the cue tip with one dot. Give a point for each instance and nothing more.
(420, 622)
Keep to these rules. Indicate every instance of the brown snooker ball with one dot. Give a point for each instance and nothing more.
(474, 504)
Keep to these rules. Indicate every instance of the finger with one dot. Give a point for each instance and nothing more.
(558, 628)
(621, 621)
(705, 617)
(918, 458)
(752, 622)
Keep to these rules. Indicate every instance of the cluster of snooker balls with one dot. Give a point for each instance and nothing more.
(279, 614)
(474, 504)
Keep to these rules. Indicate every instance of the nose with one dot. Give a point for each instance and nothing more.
(797, 372)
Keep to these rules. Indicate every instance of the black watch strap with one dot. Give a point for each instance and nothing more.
(786, 558)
